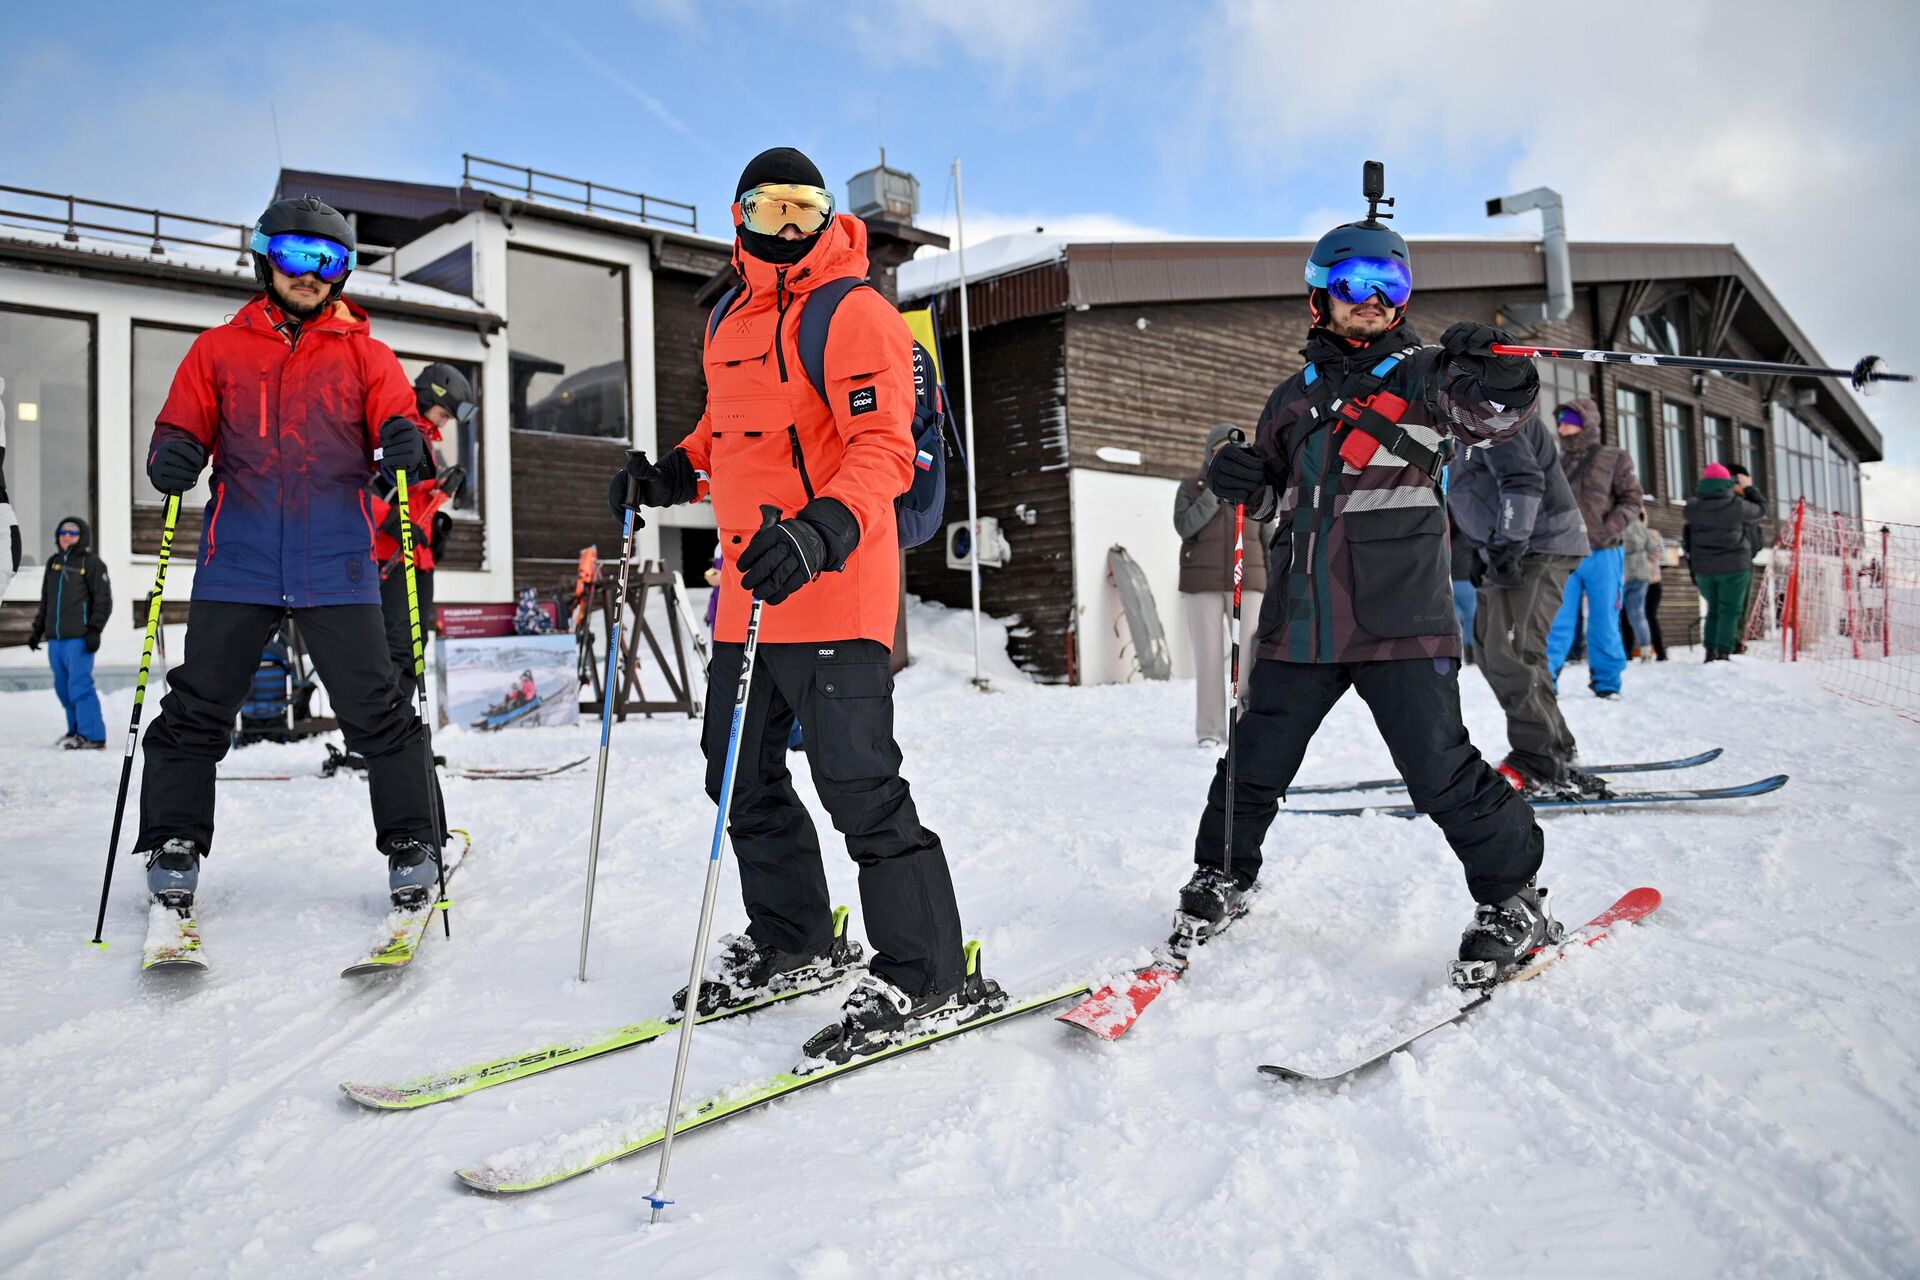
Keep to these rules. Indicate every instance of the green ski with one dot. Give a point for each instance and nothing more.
(566, 1160)
(444, 1086)
(404, 930)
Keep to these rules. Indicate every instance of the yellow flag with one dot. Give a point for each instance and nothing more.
(921, 324)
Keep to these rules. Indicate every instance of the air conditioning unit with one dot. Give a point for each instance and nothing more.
(994, 551)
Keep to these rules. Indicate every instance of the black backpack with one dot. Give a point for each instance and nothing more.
(919, 511)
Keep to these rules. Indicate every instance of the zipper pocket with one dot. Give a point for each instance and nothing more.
(800, 460)
(366, 514)
(213, 521)
(263, 406)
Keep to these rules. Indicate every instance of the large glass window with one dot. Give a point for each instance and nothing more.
(1677, 419)
(1633, 414)
(46, 397)
(157, 353)
(1666, 328)
(568, 367)
(1753, 456)
(459, 443)
(1561, 381)
(1719, 432)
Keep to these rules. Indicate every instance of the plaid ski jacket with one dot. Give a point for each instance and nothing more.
(1359, 568)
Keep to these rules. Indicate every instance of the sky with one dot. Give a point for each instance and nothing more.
(1788, 129)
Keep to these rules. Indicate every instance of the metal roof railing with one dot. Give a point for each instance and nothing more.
(156, 227)
(594, 197)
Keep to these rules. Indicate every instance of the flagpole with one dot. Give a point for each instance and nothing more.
(966, 384)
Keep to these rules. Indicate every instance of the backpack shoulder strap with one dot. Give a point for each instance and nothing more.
(719, 312)
(815, 318)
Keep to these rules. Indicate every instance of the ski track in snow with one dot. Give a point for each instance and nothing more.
(1729, 1088)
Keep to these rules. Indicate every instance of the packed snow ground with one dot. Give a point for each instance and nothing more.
(1728, 1089)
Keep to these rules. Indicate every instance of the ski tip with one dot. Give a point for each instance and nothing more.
(485, 1178)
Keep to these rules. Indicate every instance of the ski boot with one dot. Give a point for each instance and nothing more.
(745, 973)
(1504, 936)
(879, 1016)
(173, 873)
(78, 743)
(1209, 903)
(413, 874)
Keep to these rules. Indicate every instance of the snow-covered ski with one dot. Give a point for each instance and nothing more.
(422, 1091)
(1618, 800)
(470, 772)
(1111, 1011)
(1635, 904)
(544, 1164)
(173, 940)
(1604, 770)
(405, 928)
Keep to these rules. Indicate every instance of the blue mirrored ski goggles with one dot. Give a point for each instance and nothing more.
(297, 255)
(1356, 280)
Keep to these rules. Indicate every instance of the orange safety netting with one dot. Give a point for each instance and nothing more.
(1844, 595)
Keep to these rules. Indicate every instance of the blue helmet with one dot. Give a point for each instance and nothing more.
(1369, 239)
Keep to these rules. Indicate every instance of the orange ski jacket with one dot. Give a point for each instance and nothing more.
(767, 438)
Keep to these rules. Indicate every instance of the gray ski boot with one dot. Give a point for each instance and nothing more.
(173, 873)
(413, 874)
(1504, 936)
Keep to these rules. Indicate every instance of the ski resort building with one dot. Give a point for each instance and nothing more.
(575, 308)
(1098, 369)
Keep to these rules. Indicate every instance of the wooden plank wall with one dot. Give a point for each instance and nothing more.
(1020, 430)
(560, 505)
(680, 384)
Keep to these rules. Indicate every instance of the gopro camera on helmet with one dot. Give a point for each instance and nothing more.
(1361, 260)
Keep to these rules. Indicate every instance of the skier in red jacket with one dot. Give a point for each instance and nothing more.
(297, 405)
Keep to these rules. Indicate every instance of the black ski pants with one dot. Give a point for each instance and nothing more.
(393, 611)
(1416, 706)
(191, 735)
(842, 692)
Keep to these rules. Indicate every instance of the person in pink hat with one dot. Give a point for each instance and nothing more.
(1718, 541)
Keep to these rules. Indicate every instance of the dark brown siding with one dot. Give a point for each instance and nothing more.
(1020, 429)
(559, 505)
(1161, 388)
(680, 385)
(148, 521)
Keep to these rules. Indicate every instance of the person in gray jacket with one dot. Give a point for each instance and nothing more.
(1205, 526)
(1513, 505)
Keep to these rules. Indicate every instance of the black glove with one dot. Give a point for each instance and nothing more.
(93, 642)
(1499, 567)
(452, 481)
(391, 525)
(1236, 473)
(33, 640)
(1471, 344)
(402, 448)
(786, 556)
(442, 526)
(666, 484)
(174, 465)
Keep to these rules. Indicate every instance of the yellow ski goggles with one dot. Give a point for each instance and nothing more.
(771, 206)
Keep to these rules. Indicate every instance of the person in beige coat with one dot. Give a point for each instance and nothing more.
(1205, 526)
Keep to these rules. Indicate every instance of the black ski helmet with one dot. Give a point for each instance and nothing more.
(307, 216)
(444, 385)
(1368, 238)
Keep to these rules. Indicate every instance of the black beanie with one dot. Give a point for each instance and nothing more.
(778, 164)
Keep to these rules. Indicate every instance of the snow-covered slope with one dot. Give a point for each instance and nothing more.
(1728, 1089)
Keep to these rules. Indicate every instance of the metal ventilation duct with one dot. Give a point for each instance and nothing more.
(1553, 245)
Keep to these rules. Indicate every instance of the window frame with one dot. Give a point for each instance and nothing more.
(1643, 463)
(626, 335)
(133, 439)
(92, 320)
(1677, 479)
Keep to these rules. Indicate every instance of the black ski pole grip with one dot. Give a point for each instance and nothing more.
(1236, 436)
(633, 487)
(769, 515)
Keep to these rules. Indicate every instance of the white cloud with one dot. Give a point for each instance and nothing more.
(1007, 34)
(1789, 130)
(1891, 491)
(987, 224)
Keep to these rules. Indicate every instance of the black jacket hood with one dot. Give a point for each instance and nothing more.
(85, 540)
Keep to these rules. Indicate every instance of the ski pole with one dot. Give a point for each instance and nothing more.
(769, 516)
(1236, 436)
(139, 701)
(1866, 376)
(420, 693)
(631, 522)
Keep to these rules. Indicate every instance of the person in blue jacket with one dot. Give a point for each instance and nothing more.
(75, 602)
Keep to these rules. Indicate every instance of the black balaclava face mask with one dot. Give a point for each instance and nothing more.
(777, 164)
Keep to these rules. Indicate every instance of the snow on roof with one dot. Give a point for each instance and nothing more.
(225, 260)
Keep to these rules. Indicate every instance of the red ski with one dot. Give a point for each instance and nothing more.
(1635, 904)
(1111, 1010)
